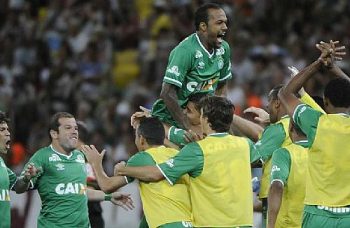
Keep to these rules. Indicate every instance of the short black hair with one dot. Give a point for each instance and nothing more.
(201, 14)
(195, 99)
(4, 118)
(152, 130)
(219, 111)
(318, 100)
(338, 92)
(54, 124)
(84, 132)
(273, 95)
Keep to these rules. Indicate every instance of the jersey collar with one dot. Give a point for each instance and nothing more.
(64, 155)
(200, 43)
(219, 134)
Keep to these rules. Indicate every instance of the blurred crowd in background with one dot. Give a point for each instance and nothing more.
(102, 59)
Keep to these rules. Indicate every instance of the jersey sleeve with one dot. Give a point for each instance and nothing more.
(180, 61)
(226, 72)
(189, 160)
(307, 119)
(12, 177)
(38, 162)
(280, 168)
(140, 159)
(271, 139)
(254, 153)
(177, 136)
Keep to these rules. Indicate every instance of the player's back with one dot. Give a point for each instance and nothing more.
(222, 194)
(329, 156)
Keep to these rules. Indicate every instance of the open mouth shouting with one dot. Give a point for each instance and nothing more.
(8, 144)
(220, 38)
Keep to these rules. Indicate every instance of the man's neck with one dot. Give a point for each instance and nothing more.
(204, 42)
(58, 148)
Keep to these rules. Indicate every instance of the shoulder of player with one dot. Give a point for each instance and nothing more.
(187, 44)
(275, 128)
(44, 151)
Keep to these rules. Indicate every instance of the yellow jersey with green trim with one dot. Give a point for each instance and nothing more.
(226, 175)
(328, 177)
(163, 203)
(291, 210)
(265, 178)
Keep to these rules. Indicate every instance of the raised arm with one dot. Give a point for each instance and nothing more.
(23, 182)
(286, 95)
(169, 96)
(106, 183)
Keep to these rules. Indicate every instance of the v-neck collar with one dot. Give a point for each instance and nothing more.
(200, 43)
(64, 155)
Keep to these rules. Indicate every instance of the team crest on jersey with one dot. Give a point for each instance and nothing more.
(54, 157)
(220, 51)
(201, 65)
(60, 167)
(80, 159)
(174, 70)
(170, 163)
(220, 64)
(198, 54)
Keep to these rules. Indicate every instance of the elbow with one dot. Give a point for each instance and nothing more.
(155, 177)
(107, 188)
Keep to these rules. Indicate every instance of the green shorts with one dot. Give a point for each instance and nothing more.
(315, 218)
(177, 136)
(182, 224)
(160, 111)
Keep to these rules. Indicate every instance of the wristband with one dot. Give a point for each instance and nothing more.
(108, 197)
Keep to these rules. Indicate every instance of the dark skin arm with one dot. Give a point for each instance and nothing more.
(286, 95)
(221, 90)
(274, 202)
(169, 96)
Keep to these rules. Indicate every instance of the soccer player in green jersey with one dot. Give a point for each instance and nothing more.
(9, 180)
(61, 181)
(164, 206)
(327, 199)
(287, 189)
(216, 165)
(200, 63)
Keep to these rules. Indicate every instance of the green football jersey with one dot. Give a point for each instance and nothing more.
(61, 184)
(193, 69)
(7, 180)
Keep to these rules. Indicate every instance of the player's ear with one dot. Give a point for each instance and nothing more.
(142, 140)
(53, 134)
(203, 26)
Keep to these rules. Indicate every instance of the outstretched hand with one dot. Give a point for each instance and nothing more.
(330, 52)
(30, 172)
(135, 118)
(123, 200)
(262, 116)
(92, 154)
